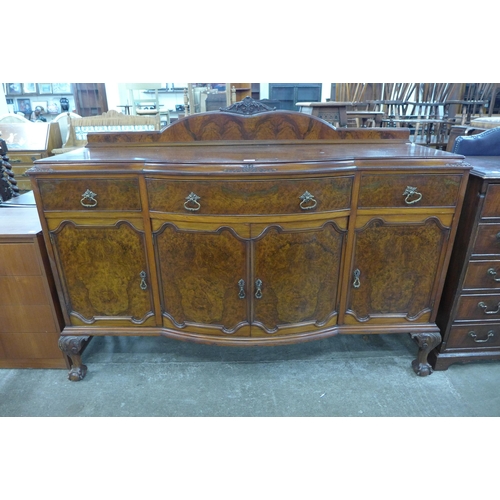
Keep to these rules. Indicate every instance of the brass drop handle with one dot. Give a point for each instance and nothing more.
(143, 284)
(492, 272)
(241, 284)
(483, 306)
(192, 198)
(357, 274)
(308, 202)
(88, 199)
(490, 335)
(258, 291)
(409, 192)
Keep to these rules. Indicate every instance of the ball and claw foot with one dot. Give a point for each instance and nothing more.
(72, 347)
(426, 343)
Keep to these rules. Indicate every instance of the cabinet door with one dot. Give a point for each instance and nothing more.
(296, 276)
(104, 272)
(203, 277)
(395, 270)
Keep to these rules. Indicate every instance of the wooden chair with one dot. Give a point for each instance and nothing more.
(111, 121)
(13, 118)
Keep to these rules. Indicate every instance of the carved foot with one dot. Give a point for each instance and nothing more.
(72, 347)
(426, 343)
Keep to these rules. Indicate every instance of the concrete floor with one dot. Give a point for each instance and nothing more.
(343, 376)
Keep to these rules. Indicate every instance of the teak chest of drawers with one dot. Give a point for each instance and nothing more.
(30, 314)
(250, 227)
(469, 314)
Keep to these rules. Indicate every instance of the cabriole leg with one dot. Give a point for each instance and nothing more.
(73, 347)
(426, 343)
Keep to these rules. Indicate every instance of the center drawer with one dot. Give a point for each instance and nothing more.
(487, 240)
(482, 274)
(408, 190)
(250, 197)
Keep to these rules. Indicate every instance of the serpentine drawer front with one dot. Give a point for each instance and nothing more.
(259, 197)
(90, 193)
(328, 231)
(409, 190)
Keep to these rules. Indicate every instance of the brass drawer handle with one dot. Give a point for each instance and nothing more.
(88, 195)
(241, 284)
(411, 191)
(492, 272)
(192, 198)
(143, 284)
(258, 292)
(490, 335)
(307, 197)
(356, 283)
(483, 306)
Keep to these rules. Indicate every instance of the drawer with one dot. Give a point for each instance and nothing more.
(417, 190)
(482, 274)
(250, 197)
(474, 337)
(90, 194)
(487, 240)
(478, 307)
(491, 207)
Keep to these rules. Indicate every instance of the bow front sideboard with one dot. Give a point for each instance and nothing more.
(248, 226)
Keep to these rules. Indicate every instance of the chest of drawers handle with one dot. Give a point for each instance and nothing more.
(409, 192)
(493, 273)
(483, 306)
(489, 336)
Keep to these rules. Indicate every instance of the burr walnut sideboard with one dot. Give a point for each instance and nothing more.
(469, 313)
(250, 227)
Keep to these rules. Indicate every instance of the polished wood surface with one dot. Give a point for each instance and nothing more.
(249, 230)
(469, 312)
(31, 319)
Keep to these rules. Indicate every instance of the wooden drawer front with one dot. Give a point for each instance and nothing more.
(19, 259)
(487, 240)
(482, 274)
(478, 307)
(91, 194)
(476, 336)
(24, 158)
(418, 190)
(250, 197)
(491, 206)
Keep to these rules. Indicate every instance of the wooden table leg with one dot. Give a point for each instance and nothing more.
(73, 348)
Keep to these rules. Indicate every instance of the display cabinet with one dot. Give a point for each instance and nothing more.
(250, 227)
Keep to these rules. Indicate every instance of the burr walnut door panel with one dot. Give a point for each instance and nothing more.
(104, 273)
(394, 274)
(295, 277)
(203, 278)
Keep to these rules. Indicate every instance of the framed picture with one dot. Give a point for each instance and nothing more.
(61, 88)
(29, 88)
(43, 104)
(24, 106)
(45, 88)
(14, 89)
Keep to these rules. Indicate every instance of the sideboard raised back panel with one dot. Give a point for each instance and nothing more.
(250, 227)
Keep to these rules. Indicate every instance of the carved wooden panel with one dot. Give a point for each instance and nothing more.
(299, 275)
(200, 272)
(392, 190)
(250, 197)
(395, 267)
(105, 194)
(104, 271)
